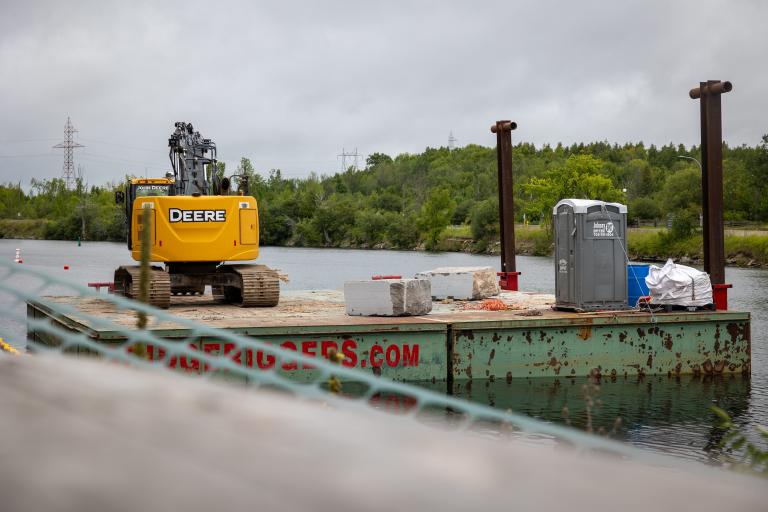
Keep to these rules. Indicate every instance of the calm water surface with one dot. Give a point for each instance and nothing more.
(658, 413)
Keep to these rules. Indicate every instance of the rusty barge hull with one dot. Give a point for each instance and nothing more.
(451, 344)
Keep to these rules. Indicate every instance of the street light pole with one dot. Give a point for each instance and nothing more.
(691, 158)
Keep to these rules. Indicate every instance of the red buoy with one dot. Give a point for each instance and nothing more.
(66, 267)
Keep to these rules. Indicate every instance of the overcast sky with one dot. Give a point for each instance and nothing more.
(289, 84)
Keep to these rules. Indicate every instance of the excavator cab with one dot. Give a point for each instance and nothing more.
(142, 187)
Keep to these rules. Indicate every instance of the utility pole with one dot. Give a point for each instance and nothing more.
(68, 145)
(352, 158)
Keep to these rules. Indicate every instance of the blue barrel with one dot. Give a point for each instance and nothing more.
(636, 286)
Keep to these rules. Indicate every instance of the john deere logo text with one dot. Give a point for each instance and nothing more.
(176, 215)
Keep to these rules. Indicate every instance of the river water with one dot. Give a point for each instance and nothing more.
(657, 413)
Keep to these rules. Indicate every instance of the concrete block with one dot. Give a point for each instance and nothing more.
(462, 283)
(388, 297)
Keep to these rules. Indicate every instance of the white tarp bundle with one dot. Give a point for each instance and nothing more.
(678, 285)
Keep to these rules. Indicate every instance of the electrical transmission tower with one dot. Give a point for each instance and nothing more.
(352, 159)
(68, 170)
(451, 141)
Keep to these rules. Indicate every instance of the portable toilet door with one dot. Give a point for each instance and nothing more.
(565, 246)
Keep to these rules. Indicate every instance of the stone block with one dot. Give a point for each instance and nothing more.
(388, 297)
(462, 283)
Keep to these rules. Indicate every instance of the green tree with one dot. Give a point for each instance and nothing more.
(435, 215)
(484, 220)
(377, 159)
(579, 177)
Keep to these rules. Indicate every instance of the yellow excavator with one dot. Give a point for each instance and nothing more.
(197, 225)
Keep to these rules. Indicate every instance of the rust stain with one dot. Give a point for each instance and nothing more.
(649, 363)
(719, 366)
(734, 331)
(623, 336)
(640, 332)
(492, 355)
(509, 377)
(585, 332)
(708, 367)
(668, 341)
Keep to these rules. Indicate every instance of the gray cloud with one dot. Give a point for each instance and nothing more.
(289, 84)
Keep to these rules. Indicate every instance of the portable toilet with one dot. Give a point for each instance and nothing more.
(590, 256)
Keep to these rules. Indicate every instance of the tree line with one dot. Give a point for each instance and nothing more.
(408, 201)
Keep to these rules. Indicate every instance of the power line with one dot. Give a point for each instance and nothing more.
(119, 145)
(68, 169)
(30, 155)
(19, 141)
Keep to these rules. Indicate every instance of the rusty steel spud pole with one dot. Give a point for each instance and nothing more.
(508, 275)
(708, 93)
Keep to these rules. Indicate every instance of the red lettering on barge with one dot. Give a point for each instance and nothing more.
(392, 355)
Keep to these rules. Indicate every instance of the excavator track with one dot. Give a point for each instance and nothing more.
(259, 286)
(188, 290)
(127, 280)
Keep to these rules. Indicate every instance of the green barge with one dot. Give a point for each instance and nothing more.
(456, 342)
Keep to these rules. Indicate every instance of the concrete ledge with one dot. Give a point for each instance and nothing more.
(462, 283)
(388, 297)
(81, 435)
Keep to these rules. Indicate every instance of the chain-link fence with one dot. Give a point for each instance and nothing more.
(332, 383)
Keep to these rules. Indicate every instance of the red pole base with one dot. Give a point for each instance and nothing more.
(508, 280)
(720, 296)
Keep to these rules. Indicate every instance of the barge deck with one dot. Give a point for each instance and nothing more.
(454, 342)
